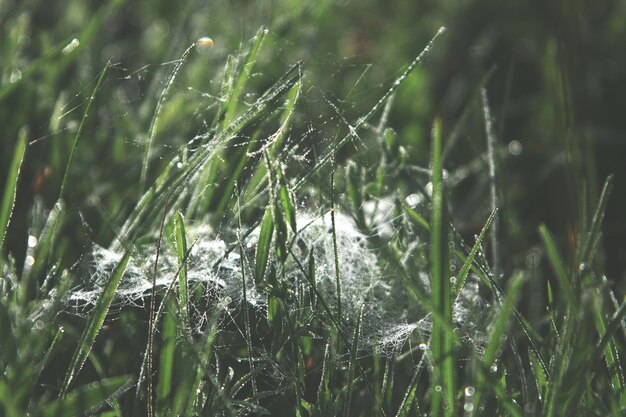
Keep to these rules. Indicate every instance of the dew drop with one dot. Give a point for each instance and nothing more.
(469, 407)
(413, 200)
(493, 369)
(179, 165)
(32, 241)
(30, 261)
(204, 44)
(423, 346)
(515, 147)
(16, 75)
(438, 388)
(69, 48)
(469, 391)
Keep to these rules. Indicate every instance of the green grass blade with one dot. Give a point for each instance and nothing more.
(264, 245)
(354, 348)
(493, 182)
(157, 113)
(168, 355)
(85, 400)
(557, 265)
(203, 366)
(92, 97)
(612, 326)
(242, 80)
(610, 352)
(286, 200)
(409, 396)
(10, 187)
(417, 218)
(354, 191)
(442, 343)
(95, 323)
(467, 264)
(593, 236)
(335, 248)
(181, 251)
(496, 337)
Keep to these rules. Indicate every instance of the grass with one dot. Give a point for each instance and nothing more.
(241, 232)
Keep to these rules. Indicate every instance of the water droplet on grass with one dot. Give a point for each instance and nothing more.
(16, 75)
(70, 47)
(515, 148)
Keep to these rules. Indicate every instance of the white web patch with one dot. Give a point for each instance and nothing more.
(364, 284)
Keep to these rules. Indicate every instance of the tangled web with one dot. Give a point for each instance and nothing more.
(369, 295)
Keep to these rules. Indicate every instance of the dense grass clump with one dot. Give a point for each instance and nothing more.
(196, 226)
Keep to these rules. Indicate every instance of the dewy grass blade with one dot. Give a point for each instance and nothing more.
(442, 402)
(496, 337)
(594, 232)
(157, 113)
(153, 319)
(95, 323)
(86, 399)
(92, 97)
(264, 245)
(167, 359)
(244, 305)
(335, 249)
(353, 360)
(242, 80)
(557, 264)
(611, 355)
(409, 396)
(467, 264)
(8, 197)
(181, 250)
(493, 182)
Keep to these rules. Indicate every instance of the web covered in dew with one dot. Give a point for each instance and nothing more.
(367, 292)
(370, 294)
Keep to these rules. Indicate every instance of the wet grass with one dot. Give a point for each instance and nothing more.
(236, 146)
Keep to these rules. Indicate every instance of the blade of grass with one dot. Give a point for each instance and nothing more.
(493, 182)
(593, 236)
(95, 323)
(10, 187)
(181, 250)
(467, 264)
(496, 338)
(157, 112)
(441, 341)
(557, 265)
(86, 399)
(244, 76)
(244, 305)
(167, 360)
(352, 364)
(264, 245)
(409, 396)
(92, 97)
